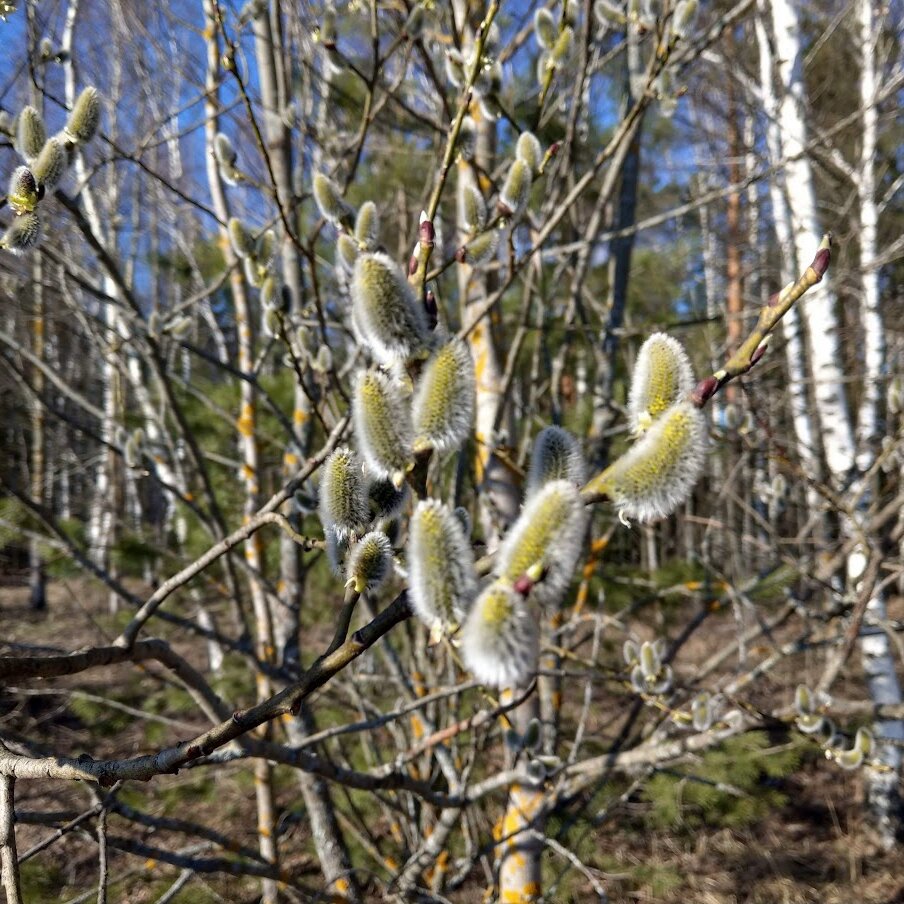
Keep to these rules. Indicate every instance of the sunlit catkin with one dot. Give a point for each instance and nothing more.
(545, 542)
(556, 456)
(472, 208)
(369, 563)
(240, 238)
(499, 640)
(84, 118)
(480, 249)
(516, 190)
(367, 226)
(50, 164)
(662, 376)
(529, 150)
(545, 28)
(391, 321)
(443, 408)
(442, 582)
(329, 199)
(30, 134)
(23, 233)
(22, 196)
(343, 502)
(383, 426)
(659, 471)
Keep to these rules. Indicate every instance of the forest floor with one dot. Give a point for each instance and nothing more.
(815, 848)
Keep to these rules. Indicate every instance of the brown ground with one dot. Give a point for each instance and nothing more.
(815, 850)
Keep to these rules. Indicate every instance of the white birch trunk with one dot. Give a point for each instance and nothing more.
(818, 307)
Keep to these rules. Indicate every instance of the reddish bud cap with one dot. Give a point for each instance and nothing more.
(704, 391)
(426, 233)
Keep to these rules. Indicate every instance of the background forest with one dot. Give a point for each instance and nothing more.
(222, 678)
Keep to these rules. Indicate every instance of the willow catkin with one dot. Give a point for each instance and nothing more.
(23, 233)
(545, 541)
(499, 638)
(556, 455)
(343, 503)
(443, 407)
(30, 133)
(442, 582)
(545, 28)
(383, 429)
(369, 562)
(662, 376)
(658, 472)
(529, 150)
(385, 310)
(84, 118)
(50, 164)
(367, 226)
(22, 196)
(329, 200)
(516, 190)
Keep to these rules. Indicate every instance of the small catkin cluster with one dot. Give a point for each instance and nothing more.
(47, 160)
(659, 471)
(329, 201)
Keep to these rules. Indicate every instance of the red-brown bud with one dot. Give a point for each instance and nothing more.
(704, 391)
(426, 233)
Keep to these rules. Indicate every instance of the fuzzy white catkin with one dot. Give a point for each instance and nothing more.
(343, 503)
(662, 376)
(442, 582)
(23, 233)
(529, 150)
(31, 134)
(85, 117)
(556, 455)
(472, 208)
(545, 28)
(50, 164)
(499, 639)
(659, 471)
(367, 226)
(382, 419)
(545, 541)
(516, 189)
(385, 310)
(443, 407)
(329, 199)
(369, 563)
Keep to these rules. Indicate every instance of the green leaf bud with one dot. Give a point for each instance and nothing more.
(472, 208)
(556, 456)
(443, 408)
(51, 163)
(367, 226)
(31, 134)
(499, 642)
(343, 503)
(528, 149)
(369, 563)
(224, 151)
(516, 189)
(662, 376)
(84, 118)
(545, 541)
(545, 28)
(564, 48)
(23, 191)
(240, 238)
(803, 700)
(386, 500)
(442, 581)
(649, 660)
(479, 250)
(386, 312)
(659, 471)
(329, 200)
(23, 233)
(383, 426)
